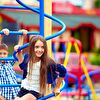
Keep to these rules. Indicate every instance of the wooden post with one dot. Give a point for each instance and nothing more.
(48, 23)
(48, 31)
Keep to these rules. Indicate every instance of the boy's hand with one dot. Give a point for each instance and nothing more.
(6, 31)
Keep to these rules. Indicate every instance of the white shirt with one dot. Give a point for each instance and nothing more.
(34, 82)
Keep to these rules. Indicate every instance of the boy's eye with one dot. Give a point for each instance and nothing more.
(3, 53)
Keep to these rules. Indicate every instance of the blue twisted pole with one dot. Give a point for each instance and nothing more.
(48, 16)
(37, 11)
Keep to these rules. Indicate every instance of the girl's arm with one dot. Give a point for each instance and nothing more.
(58, 84)
(1, 38)
(20, 43)
(62, 72)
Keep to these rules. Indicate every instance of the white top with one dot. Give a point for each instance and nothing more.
(33, 83)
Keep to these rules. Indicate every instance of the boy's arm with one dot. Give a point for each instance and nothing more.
(6, 32)
(20, 43)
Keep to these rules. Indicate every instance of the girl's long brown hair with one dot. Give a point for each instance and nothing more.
(44, 60)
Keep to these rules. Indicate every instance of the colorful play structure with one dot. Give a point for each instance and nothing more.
(66, 49)
(81, 65)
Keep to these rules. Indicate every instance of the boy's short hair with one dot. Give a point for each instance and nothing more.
(3, 46)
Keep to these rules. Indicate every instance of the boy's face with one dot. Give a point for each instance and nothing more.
(3, 53)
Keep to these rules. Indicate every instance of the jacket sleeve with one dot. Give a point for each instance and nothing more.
(23, 65)
(61, 70)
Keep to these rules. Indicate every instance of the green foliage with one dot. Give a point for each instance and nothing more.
(73, 49)
(97, 4)
(94, 59)
(95, 50)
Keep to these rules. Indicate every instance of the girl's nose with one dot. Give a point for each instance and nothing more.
(40, 49)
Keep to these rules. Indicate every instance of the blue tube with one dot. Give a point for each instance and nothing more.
(10, 85)
(73, 77)
(54, 50)
(22, 47)
(42, 17)
(14, 7)
(8, 59)
(90, 74)
(21, 33)
(52, 94)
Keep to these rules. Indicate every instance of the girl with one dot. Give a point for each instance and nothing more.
(38, 69)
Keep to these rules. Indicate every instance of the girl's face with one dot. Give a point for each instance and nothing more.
(39, 48)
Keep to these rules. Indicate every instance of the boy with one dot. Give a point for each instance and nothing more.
(7, 74)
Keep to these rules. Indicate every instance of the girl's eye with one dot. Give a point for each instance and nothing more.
(36, 46)
(42, 47)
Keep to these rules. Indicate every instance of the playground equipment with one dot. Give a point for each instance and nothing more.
(80, 61)
(91, 74)
(42, 98)
(73, 91)
(42, 14)
(69, 75)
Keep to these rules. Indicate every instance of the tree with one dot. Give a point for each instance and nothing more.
(97, 4)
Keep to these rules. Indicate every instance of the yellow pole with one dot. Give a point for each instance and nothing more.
(77, 48)
(48, 23)
(67, 53)
(48, 30)
(1, 20)
(89, 80)
(86, 73)
(66, 61)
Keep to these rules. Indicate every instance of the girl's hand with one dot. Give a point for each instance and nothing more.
(16, 47)
(56, 91)
(24, 31)
(6, 31)
(21, 37)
